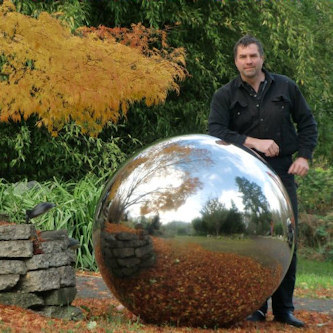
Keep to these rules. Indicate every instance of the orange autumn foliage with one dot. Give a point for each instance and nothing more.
(139, 37)
(62, 77)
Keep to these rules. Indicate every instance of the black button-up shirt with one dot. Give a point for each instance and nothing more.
(237, 111)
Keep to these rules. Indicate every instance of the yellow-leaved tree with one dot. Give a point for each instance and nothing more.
(61, 77)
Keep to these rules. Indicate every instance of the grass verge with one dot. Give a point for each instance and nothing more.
(314, 278)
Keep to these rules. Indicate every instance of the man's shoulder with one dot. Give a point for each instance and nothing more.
(234, 83)
(281, 78)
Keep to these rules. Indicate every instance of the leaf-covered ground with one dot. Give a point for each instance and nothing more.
(108, 315)
(315, 293)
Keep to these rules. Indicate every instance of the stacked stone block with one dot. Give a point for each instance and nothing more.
(126, 254)
(37, 271)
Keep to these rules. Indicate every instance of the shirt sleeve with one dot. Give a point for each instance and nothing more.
(306, 125)
(219, 119)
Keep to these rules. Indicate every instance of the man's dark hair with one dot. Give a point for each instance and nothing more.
(246, 41)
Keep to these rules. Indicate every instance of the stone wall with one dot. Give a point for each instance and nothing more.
(127, 253)
(37, 270)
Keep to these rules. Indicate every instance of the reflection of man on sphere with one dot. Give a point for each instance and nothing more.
(257, 109)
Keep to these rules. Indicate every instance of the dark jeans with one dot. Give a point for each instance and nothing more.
(282, 299)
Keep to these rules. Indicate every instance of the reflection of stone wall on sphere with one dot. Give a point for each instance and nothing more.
(127, 253)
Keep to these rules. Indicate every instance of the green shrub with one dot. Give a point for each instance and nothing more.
(74, 12)
(315, 191)
(33, 154)
(316, 232)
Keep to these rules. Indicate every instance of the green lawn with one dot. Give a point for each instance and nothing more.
(314, 275)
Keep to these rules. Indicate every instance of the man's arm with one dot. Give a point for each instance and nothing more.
(265, 146)
(219, 119)
(299, 167)
(218, 125)
(307, 133)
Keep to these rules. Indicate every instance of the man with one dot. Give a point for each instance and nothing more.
(257, 109)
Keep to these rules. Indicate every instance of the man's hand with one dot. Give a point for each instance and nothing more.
(299, 167)
(268, 147)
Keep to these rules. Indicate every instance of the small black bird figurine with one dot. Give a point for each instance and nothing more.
(40, 209)
(73, 243)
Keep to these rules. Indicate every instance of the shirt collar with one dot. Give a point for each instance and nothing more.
(268, 76)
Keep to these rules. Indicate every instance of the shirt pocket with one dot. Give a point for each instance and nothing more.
(240, 116)
(281, 106)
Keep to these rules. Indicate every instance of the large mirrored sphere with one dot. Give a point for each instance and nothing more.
(193, 231)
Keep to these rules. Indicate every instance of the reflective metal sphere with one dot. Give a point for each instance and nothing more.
(193, 231)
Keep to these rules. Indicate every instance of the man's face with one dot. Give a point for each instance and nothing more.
(249, 61)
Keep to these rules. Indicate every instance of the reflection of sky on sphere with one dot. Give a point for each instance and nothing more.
(219, 177)
(217, 171)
